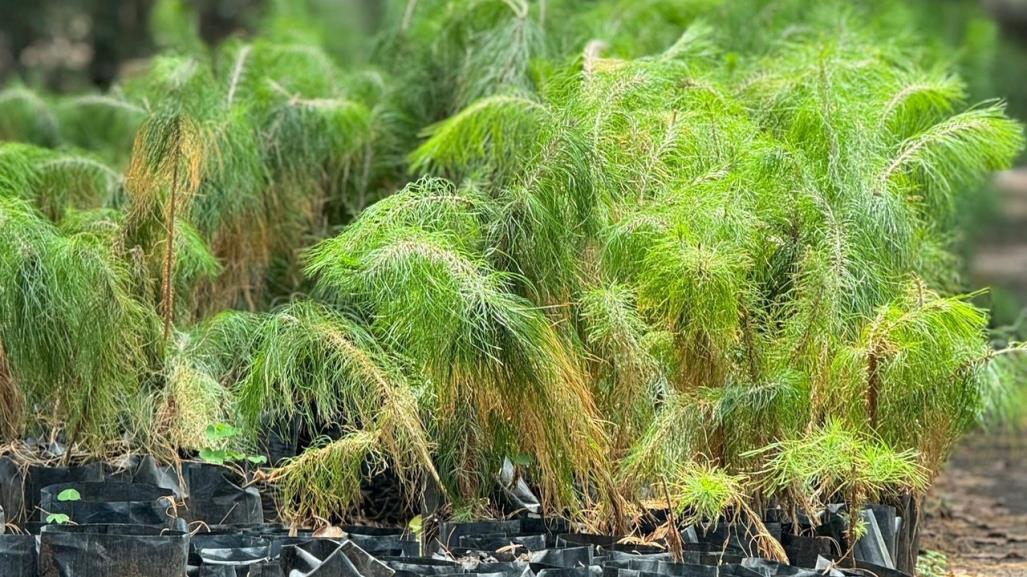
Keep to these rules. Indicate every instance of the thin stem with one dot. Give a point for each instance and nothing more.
(408, 15)
(169, 254)
(673, 537)
(237, 72)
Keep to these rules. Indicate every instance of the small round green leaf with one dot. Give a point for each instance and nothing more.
(69, 495)
(214, 456)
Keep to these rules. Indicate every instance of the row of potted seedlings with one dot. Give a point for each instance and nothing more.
(142, 519)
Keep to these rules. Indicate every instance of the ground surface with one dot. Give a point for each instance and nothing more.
(977, 512)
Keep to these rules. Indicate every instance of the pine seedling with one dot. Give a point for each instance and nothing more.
(68, 297)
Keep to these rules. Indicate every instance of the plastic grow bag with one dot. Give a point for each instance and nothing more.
(20, 487)
(111, 551)
(590, 571)
(258, 569)
(228, 549)
(496, 542)
(691, 554)
(887, 517)
(505, 569)
(216, 496)
(773, 569)
(566, 558)
(516, 490)
(326, 558)
(422, 566)
(450, 533)
(872, 570)
(383, 542)
(146, 470)
(11, 487)
(805, 551)
(110, 502)
(279, 441)
(684, 570)
(17, 556)
(602, 543)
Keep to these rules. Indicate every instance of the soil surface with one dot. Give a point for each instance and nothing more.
(977, 511)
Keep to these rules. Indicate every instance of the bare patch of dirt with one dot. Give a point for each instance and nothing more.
(977, 511)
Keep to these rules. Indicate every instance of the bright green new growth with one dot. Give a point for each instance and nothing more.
(705, 494)
(756, 223)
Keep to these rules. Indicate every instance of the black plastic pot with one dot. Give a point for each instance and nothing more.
(887, 516)
(227, 549)
(773, 569)
(486, 542)
(20, 488)
(872, 570)
(367, 564)
(110, 502)
(257, 569)
(450, 533)
(548, 526)
(505, 569)
(804, 551)
(17, 556)
(11, 488)
(383, 542)
(422, 566)
(566, 557)
(216, 496)
(326, 558)
(591, 571)
(111, 551)
(146, 470)
(602, 543)
(908, 538)
(231, 561)
(280, 441)
(684, 570)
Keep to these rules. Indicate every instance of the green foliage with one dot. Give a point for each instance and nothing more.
(833, 461)
(932, 564)
(312, 361)
(104, 124)
(325, 481)
(705, 493)
(222, 435)
(76, 339)
(58, 518)
(685, 242)
(26, 117)
(69, 495)
(490, 356)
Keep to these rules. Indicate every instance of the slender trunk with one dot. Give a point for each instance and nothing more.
(12, 402)
(169, 255)
(677, 553)
(873, 384)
